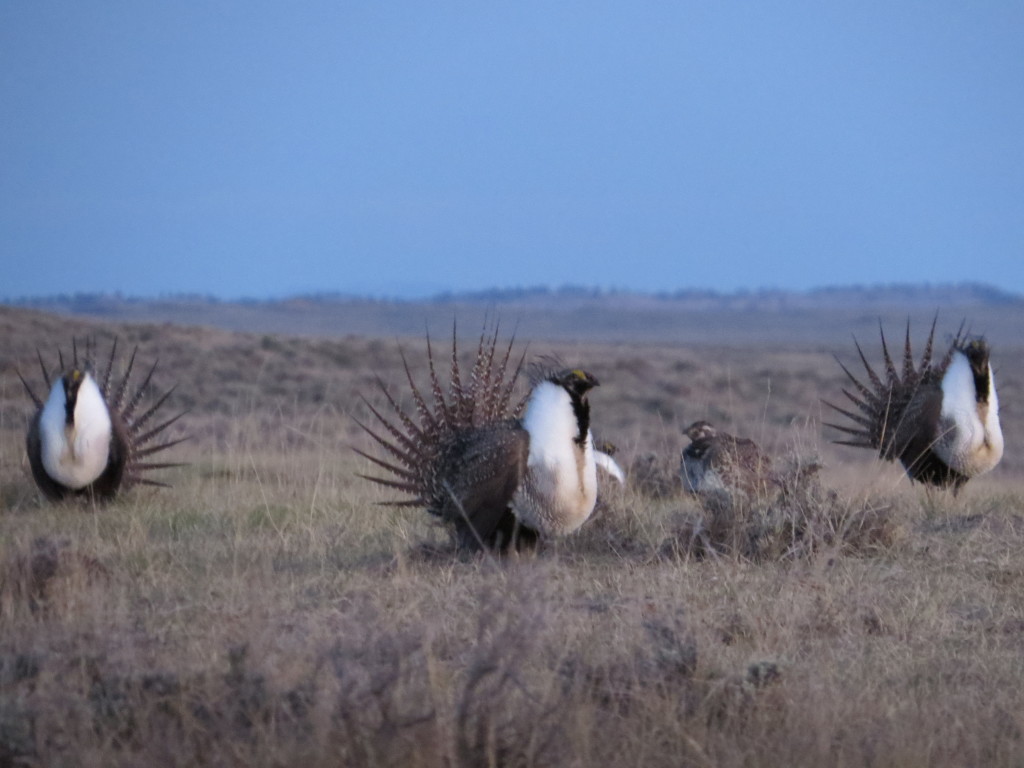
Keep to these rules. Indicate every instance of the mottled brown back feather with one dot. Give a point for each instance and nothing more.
(738, 463)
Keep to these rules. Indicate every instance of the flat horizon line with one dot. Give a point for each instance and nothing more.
(979, 291)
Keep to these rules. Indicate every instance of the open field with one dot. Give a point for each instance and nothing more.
(263, 612)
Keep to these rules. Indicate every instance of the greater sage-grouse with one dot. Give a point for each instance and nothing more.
(941, 420)
(498, 472)
(89, 436)
(716, 462)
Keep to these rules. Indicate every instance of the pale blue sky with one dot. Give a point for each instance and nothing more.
(265, 149)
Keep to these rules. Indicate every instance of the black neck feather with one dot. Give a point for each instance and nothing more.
(70, 400)
(981, 384)
(977, 355)
(581, 410)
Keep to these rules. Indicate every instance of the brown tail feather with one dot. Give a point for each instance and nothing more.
(28, 390)
(854, 443)
(890, 367)
(926, 356)
(427, 419)
(413, 437)
(441, 407)
(407, 452)
(866, 393)
(399, 470)
(145, 466)
(141, 453)
(872, 376)
(105, 383)
(140, 440)
(410, 488)
(42, 367)
(118, 400)
(125, 401)
(858, 419)
(881, 406)
(848, 430)
(129, 410)
(414, 431)
(413, 442)
(863, 407)
(138, 423)
(150, 482)
(417, 502)
(481, 370)
(506, 391)
(462, 405)
(908, 355)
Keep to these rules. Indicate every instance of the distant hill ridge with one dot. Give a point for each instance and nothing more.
(854, 296)
(897, 294)
(765, 317)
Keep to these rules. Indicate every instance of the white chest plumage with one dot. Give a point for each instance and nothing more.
(561, 485)
(75, 454)
(969, 439)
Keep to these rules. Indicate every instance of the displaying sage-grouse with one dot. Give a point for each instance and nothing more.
(716, 462)
(498, 472)
(940, 420)
(88, 437)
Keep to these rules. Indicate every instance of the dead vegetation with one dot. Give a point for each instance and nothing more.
(793, 516)
(264, 612)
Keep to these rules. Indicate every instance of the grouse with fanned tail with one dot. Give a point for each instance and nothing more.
(940, 420)
(498, 471)
(89, 436)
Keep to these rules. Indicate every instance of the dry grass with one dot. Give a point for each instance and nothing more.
(263, 612)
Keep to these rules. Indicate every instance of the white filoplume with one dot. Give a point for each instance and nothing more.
(970, 439)
(75, 454)
(609, 465)
(560, 488)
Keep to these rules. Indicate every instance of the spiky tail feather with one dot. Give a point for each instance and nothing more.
(881, 405)
(413, 442)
